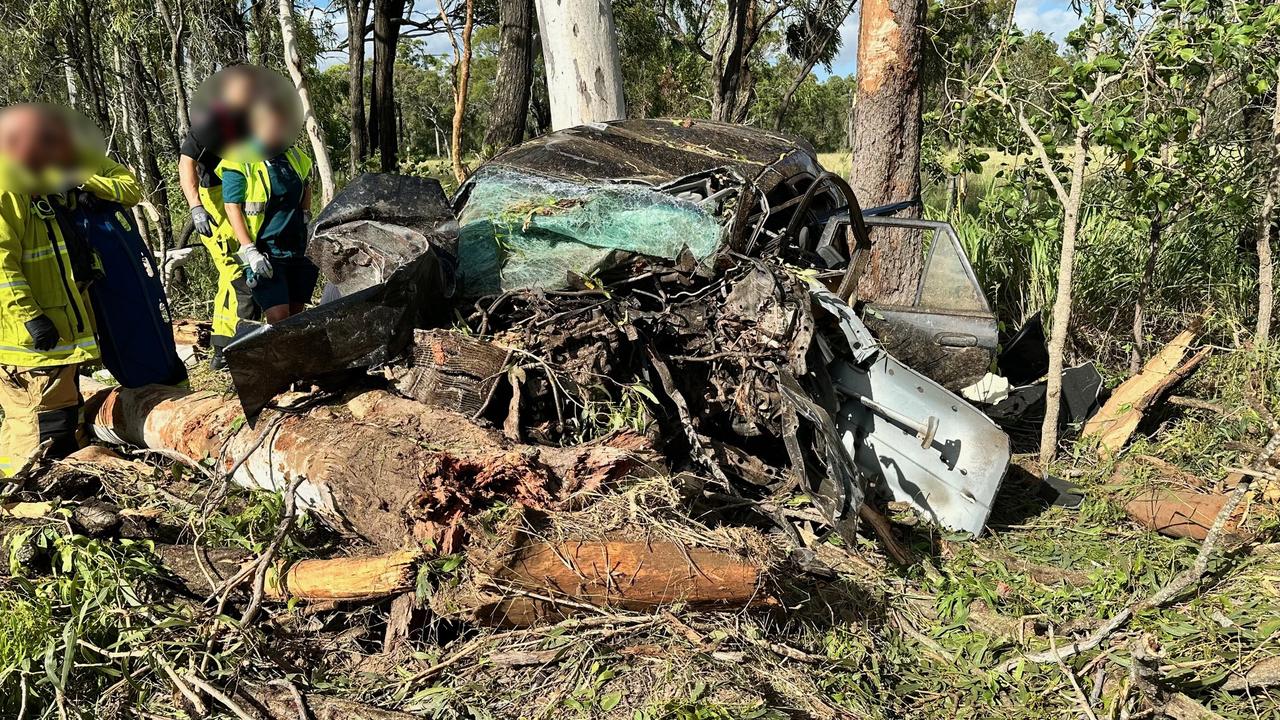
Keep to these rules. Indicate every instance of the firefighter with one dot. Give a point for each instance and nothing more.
(46, 324)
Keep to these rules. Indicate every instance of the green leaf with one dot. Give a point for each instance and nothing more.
(610, 700)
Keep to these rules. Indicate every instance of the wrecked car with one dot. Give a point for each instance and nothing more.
(696, 272)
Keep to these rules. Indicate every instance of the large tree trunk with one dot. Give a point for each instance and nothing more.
(734, 88)
(357, 17)
(886, 138)
(584, 72)
(511, 89)
(318, 146)
(387, 15)
(375, 468)
(1266, 229)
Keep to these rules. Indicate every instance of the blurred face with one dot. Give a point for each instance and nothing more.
(36, 139)
(237, 89)
(269, 126)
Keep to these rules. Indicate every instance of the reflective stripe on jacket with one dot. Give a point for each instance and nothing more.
(36, 276)
(36, 279)
(257, 190)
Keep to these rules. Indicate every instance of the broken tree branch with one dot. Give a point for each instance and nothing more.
(268, 556)
(1169, 592)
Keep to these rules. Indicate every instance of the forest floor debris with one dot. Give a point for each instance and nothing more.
(846, 634)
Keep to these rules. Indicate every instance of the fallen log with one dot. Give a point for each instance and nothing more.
(1116, 422)
(1177, 513)
(344, 578)
(413, 474)
(547, 581)
(204, 570)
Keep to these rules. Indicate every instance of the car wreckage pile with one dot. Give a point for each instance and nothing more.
(565, 332)
(661, 305)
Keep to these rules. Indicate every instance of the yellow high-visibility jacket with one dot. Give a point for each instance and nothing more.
(257, 190)
(36, 276)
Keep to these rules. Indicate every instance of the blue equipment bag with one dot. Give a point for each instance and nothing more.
(135, 330)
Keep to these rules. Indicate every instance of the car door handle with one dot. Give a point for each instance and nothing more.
(956, 340)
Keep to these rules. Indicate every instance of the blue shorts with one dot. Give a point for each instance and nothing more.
(292, 282)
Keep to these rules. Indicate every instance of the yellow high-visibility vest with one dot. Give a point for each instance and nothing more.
(257, 190)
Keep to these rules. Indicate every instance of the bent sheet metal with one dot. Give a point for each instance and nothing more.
(933, 450)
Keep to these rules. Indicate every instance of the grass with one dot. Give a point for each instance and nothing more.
(918, 642)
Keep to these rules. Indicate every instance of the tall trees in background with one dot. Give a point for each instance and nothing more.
(737, 37)
(812, 37)
(512, 87)
(387, 18)
(319, 146)
(584, 72)
(461, 74)
(886, 138)
(357, 17)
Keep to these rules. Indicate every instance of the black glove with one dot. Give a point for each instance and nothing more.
(201, 220)
(43, 333)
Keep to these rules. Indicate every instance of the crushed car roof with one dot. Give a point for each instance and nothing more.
(662, 150)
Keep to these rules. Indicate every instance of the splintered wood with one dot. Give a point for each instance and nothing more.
(1116, 422)
(345, 578)
(1176, 513)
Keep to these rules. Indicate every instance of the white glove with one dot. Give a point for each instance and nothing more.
(255, 260)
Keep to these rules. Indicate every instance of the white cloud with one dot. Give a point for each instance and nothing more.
(847, 59)
(1054, 18)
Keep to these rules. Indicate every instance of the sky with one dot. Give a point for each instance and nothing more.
(1054, 18)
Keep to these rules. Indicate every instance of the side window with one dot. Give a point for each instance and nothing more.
(949, 282)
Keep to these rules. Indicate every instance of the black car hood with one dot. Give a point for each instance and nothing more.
(660, 151)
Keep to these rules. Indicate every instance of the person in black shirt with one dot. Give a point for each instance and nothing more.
(216, 124)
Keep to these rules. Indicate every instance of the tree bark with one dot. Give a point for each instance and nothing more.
(641, 576)
(387, 15)
(886, 139)
(1266, 229)
(584, 72)
(374, 468)
(512, 87)
(318, 146)
(357, 17)
(730, 64)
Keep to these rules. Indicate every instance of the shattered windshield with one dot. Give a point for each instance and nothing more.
(520, 230)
